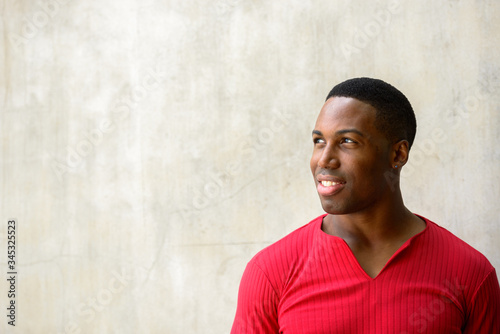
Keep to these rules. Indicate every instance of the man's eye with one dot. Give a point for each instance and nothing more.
(347, 140)
(318, 141)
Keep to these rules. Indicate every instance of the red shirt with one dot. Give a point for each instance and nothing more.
(310, 282)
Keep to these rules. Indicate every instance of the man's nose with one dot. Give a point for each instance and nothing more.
(329, 159)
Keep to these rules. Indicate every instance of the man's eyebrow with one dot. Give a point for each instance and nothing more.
(340, 132)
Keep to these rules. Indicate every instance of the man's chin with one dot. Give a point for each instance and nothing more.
(332, 209)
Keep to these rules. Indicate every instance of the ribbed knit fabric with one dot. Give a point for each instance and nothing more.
(310, 282)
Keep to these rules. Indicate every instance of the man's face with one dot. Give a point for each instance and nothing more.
(350, 157)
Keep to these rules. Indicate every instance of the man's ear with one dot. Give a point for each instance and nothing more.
(400, 153)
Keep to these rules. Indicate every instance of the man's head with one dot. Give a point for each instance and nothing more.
(361, 139)
(394, 115)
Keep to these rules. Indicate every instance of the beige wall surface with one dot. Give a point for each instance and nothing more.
(150, 148)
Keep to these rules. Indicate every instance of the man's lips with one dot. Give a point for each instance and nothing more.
(329, 185)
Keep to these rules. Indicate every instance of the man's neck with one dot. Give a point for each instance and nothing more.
(375, 235)
(386, 223)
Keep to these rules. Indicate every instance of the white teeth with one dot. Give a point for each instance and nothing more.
(328, 183)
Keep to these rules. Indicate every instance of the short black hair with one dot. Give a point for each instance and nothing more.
(394, 115)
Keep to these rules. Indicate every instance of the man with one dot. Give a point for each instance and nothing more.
(368, 265)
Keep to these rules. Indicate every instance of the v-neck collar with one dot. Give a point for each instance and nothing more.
(355, 261)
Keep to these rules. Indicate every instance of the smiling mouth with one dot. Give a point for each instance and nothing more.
(329, 183)
(329, 187)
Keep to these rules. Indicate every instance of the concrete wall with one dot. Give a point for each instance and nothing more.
(150, 148)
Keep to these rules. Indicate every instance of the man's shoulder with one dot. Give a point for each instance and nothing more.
(447, 244)
(288, 249)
